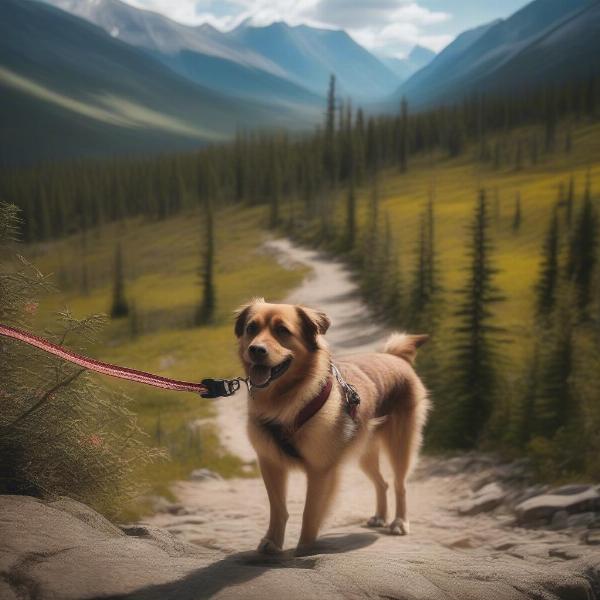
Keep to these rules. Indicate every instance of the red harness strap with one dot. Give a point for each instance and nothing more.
(102, 367)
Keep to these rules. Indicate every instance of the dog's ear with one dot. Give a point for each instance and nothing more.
(241, 316)
(314, 323)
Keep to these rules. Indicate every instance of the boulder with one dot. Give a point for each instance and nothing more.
(204, 475)
(487, 498)
(546, 505)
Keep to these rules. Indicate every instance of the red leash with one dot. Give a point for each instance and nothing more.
(208, 388)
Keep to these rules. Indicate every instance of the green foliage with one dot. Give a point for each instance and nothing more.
(206, 310)
(60, 433)
(475, 361)
(119, 307)
(546, 287)
(582, 258)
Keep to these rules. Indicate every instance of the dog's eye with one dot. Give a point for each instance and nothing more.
(251, 328)
(282, 330)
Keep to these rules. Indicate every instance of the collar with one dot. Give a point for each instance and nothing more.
(315, 405)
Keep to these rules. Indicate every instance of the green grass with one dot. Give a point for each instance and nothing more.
(457, 183)
(161, 263)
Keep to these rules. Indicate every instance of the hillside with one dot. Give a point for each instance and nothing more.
(69, 89)
(310, 55)
(161, 265)
(417, 59)
(202, 54)
(512, 52)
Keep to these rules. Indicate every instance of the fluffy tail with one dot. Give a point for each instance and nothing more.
(404, 345)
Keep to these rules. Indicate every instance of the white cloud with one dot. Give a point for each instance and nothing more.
(386, 26)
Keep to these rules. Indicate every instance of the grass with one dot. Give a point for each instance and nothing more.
(161, 262)
(457, 183)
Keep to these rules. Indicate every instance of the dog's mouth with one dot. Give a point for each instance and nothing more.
(262, 375)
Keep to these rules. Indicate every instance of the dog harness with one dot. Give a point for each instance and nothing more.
(282, 435)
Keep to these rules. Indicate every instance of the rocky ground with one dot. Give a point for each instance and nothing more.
(479, 529)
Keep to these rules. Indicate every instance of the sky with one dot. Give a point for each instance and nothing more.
(387, 27)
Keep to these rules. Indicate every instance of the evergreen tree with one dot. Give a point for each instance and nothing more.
(475, 359)
(403, 136)
(570, 200)
(330, 158)
(206, 309)
(350, 239)
(582, 252)
(556, 402)
(120, 306)
(516, 224)
(546, 287)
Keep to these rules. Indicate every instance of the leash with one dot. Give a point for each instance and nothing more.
(207, 388)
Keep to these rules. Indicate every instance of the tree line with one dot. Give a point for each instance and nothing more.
(269, 168)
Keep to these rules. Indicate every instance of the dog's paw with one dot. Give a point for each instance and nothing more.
(399, 527)
(376, 522)
(266, 546)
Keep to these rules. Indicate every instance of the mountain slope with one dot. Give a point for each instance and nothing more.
(418, 58)
(70, 89)
(310, 55)
(471, 61)
(201, 54)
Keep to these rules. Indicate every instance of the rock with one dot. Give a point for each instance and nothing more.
(571, 489)
(560, 520)
(488, 498)
(591, 537)
(581, 519)
(204, 474)
(544, 506)
(86, 514)
(50, 554)
(595, 524)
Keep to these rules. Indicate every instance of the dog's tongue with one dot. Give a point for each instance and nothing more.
(259, 374)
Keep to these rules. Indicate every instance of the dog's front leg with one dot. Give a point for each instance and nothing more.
(275, 477)
(319, 494)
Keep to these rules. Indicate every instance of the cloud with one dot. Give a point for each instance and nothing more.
(360, 14)
(390, 27)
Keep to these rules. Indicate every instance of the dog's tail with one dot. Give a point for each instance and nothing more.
(404, 345)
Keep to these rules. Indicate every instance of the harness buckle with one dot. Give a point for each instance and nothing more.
(220, 388)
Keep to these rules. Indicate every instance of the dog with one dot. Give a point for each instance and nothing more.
(307, 412)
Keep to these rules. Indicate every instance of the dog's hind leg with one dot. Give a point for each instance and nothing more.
(275, 478)
(402, 438)
(369, 463)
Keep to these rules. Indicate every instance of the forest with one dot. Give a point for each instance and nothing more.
(520, 378)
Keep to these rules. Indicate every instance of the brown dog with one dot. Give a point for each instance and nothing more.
(303, 412)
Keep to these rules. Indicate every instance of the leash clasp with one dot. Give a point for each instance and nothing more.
(220, 388)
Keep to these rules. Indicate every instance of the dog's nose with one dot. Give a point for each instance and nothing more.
(257, 351)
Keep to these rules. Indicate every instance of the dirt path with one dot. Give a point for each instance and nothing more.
(446, 556)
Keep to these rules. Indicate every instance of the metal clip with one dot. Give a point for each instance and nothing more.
(220, 388)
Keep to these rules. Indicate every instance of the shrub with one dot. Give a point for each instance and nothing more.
(61, 432)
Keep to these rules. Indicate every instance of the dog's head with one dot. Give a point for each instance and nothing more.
(277, 340)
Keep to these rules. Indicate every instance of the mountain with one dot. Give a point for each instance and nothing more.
(202, 54)
(309, 56)
(478, 59)
(70, 89)
(418, 58)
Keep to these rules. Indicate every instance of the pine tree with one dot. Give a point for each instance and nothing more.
(556, 402)
(206, 309)
(516, 224)
(403, 136)
(582, 258)
(119, 307)
(475, 359)
(546, 287)
(350, 239)
(570, 200)
(330, 158)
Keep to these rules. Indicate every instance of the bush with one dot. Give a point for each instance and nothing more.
(61, 433)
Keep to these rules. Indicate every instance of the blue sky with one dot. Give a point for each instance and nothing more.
(389, 27)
